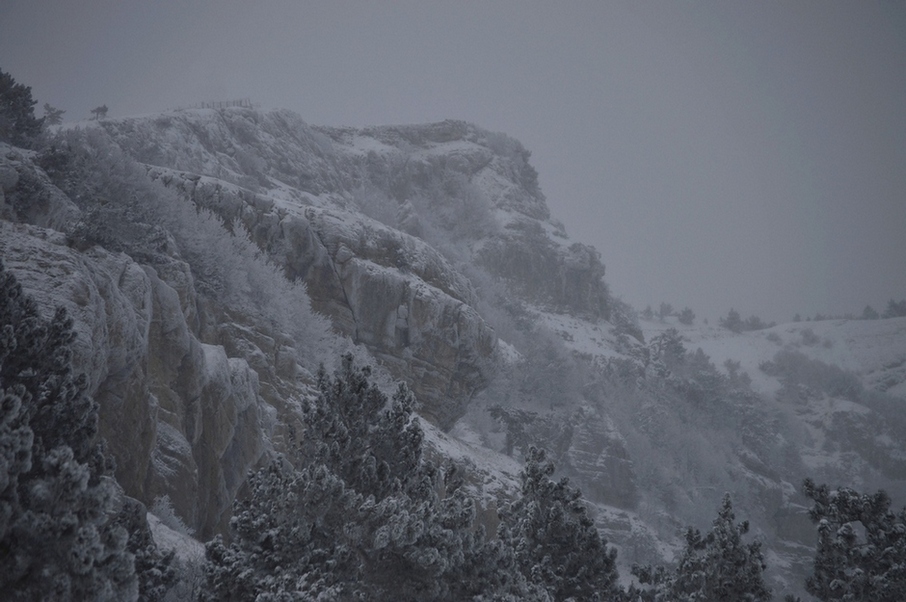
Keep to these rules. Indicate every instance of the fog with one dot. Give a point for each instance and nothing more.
(732, 154)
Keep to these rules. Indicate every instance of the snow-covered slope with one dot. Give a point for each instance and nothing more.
(823, 400)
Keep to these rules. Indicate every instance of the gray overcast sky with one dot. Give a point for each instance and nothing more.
(718, 154)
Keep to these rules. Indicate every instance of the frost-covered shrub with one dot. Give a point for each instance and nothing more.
(125, 210)
(453, 210)
(162, 508)
(668, 348)
(625, 319)
(795, 368)
(774, 338)
(734, 322)
(756, 323)
(809, 338)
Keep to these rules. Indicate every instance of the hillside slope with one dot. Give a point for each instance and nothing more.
(432, 253)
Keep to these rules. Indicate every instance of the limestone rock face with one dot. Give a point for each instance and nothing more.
(179, 417)
(563, 278)
(376, 221)
(600, 461)
(396, 231)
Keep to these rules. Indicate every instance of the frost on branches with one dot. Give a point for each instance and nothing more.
(715, 566)
(56, 542)
(361, 515)
(556, 544)
(861, 552)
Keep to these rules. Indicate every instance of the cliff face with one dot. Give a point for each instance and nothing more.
(378, 224)
(414, 241)
(305, 195)
(180, 417)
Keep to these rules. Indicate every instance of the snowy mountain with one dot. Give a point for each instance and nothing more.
(198, 299)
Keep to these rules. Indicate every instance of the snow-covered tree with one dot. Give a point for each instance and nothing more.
(100, 112)
(155, 569)
(687, 316)
(895, 309)
(361, 515)
(18, 124)
(56, 540)
(52, 115)
(870, 313)
(716, 566)
(557, 545)
(733, 321)
(668, 348)
(665, 310)
(861, 552)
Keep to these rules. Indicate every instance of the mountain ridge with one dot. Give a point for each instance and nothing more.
(431, 249)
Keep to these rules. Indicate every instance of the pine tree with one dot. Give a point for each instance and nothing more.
(100, 112)
(52, 115)
(716, 566)
(18, 124)
(665, 311)
(895, 309)
(56, 542)
(861, 552)
(733, 321)
(362, 514)
(556, 544)
(155, 569)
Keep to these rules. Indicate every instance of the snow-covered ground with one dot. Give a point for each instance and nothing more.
(875, 350)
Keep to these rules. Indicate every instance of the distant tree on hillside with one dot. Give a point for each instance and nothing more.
(665, 310)
(733, 321)
(648, 313)
(52, 115)
(687, 316)
(100, 112)
(870, 313)
(895, 309)
(755, 323)
(668, 348)
(18, 124)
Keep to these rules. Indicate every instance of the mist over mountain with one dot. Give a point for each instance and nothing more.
(212, 260)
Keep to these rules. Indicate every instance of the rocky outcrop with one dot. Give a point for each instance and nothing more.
(598, 458)
(381, 287)
(568, 279)
(180, 418)
(26, 194)
(299, 191)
